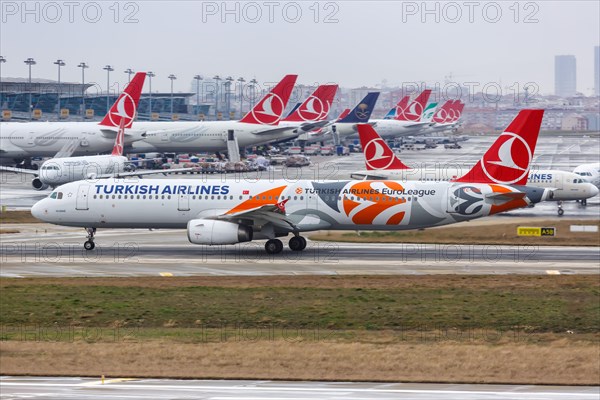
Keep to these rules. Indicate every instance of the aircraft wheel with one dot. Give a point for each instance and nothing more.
(89, 245)
(297, 243)
(561, 211)
(584, 202)
(273, 246)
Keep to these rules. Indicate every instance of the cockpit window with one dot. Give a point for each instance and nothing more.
(59, 195)
(53, 195)
(56, 195)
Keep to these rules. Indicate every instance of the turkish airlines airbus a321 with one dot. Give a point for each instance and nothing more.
(218, 213)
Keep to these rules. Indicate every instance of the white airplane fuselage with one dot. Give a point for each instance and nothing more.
(45, 139)
(566, 185)
(309, 205)
(590, 173)
(199, 136)
(58, 171)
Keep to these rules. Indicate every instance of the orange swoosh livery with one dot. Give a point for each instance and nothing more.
(262, 199)
(378, 203)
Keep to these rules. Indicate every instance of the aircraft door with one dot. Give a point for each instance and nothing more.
(81, 203)
(183, 203)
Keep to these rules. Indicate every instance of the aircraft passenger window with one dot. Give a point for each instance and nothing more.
(269, 197)
(169, 197)
(144, 197)
(240, 197)
(94, 196)
(125, 197)
(119, 196)
(113, 196)
(377, 198)
(231, 197)
(138, 196)
(59, 195)
(295, 197)
(264, 197)
(301, 197)
(53, 195)
(100, 196)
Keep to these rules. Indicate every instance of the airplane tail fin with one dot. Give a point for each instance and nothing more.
(415, 109)
(429, 112)
(378, 155)
(401, 105)
(343, 114)
(362, 112)
(118, 147)
(125, 107)
(269, 110)
(316, 107)
(458, 111)
(508, 160)
(441, 115)
(293, 110)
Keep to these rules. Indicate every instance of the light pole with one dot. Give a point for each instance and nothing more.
(108, 69)
(83, 66)
(150, 75)
(59, 63)
(228, 81)
(198, 78)
(241, 81)
(2, 61)
(252, 84)
(129, 71)
(172, 78)
(217, 78)
(30, 62)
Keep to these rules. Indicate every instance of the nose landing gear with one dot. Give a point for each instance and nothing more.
(89, 243)
(560, 209)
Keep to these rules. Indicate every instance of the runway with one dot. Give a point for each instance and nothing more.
(52, 251)
(89, 388)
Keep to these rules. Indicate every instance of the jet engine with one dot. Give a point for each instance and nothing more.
(211, 232)
(38, 184)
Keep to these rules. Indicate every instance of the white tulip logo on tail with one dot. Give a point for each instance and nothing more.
(511, 162)
(124, 109)
(378, 155)
(269, 112)
(314, 109)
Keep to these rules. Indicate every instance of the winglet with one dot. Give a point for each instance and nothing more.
(362, 112)
(316, 107)
(378, 154)
(508, 160)
(269, 110)
(127, 103)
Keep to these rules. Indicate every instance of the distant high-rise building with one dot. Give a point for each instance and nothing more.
(565, 76)
(597, 70)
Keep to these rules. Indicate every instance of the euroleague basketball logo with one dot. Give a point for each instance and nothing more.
(510, 164)
(269, 112)
(125, 108)
(378, 155)
(314, 109)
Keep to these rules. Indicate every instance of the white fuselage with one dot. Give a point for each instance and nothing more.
(309, 205)
(200, 136)
(590, 173)
(44, 139)
(566, 185)
(58, 171)
(389, 128)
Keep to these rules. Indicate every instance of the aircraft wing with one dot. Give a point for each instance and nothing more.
(21, 170)
(112, 133)
(310, 126)
(68, 149)
(271, 213)
(280, 129)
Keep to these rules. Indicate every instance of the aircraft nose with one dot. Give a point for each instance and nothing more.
(38, 210)
(593, 190)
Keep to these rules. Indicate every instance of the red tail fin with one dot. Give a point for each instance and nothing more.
(458, 111)
(269, 110)
(415, 109)
(343, 114)
(508, 160)
(316, 106)
(126, 105)
(441, 115)
(378, 154)
(118, 147)
(402, 104)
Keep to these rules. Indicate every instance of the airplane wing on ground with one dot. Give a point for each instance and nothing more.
(269, 213)
(280, 129)
(21, 170)
(68, 149)
(112, 133)
(149, 172)
(311, 126)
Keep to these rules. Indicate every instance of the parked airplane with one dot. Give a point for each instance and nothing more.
(507, 151)
(23, 140)
(408, 121)
(401, 105)
(589, 172)
(218, 213)
(61, 170)
(446, 118)
(312, 113)
(259, 126)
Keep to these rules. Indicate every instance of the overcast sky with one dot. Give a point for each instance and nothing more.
(353, 43)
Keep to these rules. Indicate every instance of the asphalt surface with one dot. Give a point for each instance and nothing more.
(89, 388)
(47, 250)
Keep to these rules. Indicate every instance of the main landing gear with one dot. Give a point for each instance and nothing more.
(89, 243)
(560, 209)
(275, 246)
